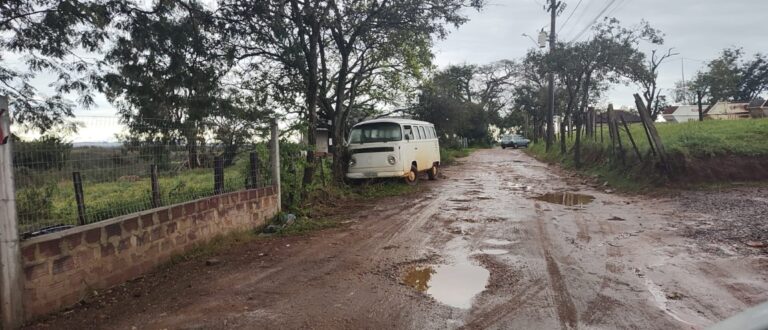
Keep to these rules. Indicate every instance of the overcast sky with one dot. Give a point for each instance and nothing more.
(697, 29)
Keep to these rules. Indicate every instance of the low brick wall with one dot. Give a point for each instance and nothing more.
(62, 268)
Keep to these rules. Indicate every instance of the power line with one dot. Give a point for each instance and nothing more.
(616, 8)
(571, 15)
(586, 28)
(584, 12)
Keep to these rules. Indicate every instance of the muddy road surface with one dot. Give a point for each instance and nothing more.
(502, 241)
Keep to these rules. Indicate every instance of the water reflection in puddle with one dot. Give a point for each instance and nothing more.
(493, 251)
(494, 241)
(566, 198)
(454, 284)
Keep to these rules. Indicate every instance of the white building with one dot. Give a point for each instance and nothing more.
(682, 113)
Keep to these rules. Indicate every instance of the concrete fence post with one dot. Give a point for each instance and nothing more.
(274, 159)
(11, 280)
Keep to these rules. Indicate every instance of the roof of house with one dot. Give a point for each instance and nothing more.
(727, 108)
(757, 103)
(669, 110)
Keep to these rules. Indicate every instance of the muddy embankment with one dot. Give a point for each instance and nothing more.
(718, 168)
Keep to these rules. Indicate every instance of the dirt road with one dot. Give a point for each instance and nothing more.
(474, 250)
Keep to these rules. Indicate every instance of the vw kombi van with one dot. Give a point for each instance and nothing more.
(392, 147)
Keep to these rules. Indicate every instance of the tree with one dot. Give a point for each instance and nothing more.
(169, 74)
(585, 67)
(682, 93)
(465, 100)
(647, 77)
(345, 52)
(730, 77)
(46, 36)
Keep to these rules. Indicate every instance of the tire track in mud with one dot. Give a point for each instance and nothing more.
(566, 310)
(511, 306)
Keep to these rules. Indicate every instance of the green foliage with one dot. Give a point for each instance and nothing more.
(711, 138)
(303, 226)
(466, 100)
(47, 33)
(448, 155)
(37, 201)
(730, 77)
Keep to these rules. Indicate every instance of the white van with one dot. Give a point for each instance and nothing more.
(391, 147)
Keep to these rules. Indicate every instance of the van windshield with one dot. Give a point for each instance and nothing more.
(376, 132)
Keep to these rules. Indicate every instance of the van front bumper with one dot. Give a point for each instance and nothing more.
(375, 174)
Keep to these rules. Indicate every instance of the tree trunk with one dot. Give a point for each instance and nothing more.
(577, 144)
(563, 124)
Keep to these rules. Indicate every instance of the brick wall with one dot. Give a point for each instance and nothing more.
(61, 268)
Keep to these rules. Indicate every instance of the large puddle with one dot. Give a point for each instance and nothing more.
(566, 198)
(454, 284)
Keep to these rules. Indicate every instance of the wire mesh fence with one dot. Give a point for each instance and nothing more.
(60, 184)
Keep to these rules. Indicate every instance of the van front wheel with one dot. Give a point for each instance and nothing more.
(433, 172)
(412, 178)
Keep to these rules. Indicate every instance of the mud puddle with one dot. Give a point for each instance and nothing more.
(492, 251)
(455, 284)
(566, 198)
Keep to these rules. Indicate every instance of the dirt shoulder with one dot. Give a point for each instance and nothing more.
(481, 248)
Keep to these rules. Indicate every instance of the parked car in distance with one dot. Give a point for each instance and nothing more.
(393, 147)
(514, 141)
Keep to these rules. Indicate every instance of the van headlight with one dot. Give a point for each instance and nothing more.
(352, 162)
(392, 160)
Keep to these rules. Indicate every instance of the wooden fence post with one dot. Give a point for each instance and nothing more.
(218, 175)
(654, 135)
(631, 139)
(156, 201)
(253, 173)
(11, 276)
(79, 199)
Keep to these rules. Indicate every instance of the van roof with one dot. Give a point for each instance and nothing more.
(396, 120)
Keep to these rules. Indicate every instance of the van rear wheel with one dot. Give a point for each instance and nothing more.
(412, 178)
(433, 172)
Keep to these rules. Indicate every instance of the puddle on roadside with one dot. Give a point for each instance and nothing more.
(454, 284)
(566, 198)
(417, 278)
(494, 241)
(493, 252)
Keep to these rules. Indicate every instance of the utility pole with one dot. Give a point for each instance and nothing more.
(11, 281)
(701, 110)
(551, 98)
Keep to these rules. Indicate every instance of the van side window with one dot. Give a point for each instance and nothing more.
(408, 132)
(423, 133)
(432, 132)
(418, 133)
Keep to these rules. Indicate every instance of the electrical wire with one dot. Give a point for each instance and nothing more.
(586, 28)
(616, 8)
(569, 16)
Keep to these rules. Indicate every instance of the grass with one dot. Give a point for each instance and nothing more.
(449, 156)
(215, 246)
(104, 200)
(692, 140)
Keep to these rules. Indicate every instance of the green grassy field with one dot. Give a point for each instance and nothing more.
(55, 204)
(700, 140)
